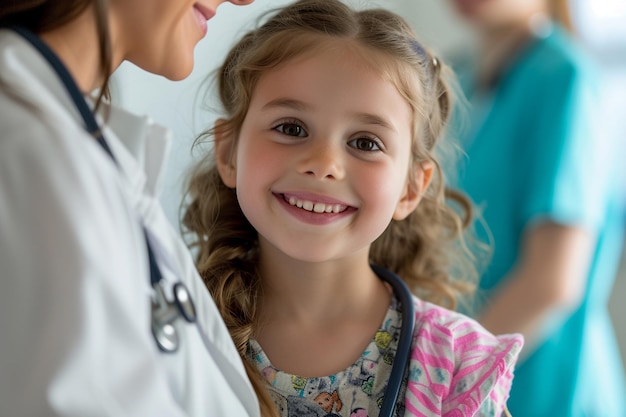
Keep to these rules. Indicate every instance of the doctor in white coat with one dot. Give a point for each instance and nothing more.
(79, 217)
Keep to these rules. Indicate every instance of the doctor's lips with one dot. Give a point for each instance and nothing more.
(314, 205)
(203, 14)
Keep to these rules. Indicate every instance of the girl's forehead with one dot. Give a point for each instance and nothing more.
(337, 70)
(347, 50)
(357, 55)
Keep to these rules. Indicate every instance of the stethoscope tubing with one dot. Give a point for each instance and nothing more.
(403, 353)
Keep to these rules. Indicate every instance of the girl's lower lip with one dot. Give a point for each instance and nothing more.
(201, 19)
(310, 217)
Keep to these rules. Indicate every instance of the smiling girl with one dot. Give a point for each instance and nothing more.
(325, 165)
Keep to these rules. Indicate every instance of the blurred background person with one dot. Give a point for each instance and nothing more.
(539, 165)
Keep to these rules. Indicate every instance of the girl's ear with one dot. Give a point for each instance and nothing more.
(224, 149)
(414, 191)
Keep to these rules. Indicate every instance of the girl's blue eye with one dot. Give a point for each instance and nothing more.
(291, 129)
(365, 144)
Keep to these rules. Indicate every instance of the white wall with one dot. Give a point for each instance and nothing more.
(176, 106)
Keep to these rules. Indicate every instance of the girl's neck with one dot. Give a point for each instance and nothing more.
(316, 319)
(322, 291)
(76, 44)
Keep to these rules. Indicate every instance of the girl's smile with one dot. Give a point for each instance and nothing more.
(313, 209)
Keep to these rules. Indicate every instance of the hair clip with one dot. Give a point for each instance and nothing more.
(419, 49)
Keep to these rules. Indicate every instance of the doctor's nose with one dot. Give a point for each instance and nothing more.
(324, 161)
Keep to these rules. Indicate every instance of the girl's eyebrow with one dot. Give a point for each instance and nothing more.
(288, 103)
(373, 119)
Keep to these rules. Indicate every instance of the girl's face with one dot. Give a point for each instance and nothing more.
(322, 160)
(160, 35)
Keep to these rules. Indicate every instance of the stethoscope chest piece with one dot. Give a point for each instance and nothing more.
(166, 337)
(165, 313)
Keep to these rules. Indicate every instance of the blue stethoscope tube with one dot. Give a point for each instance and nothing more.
(403, 352)
(165, 312)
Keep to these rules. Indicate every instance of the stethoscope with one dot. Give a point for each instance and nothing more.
(164, 312)
(403, 352)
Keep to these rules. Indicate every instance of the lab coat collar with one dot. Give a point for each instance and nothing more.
(147, 142)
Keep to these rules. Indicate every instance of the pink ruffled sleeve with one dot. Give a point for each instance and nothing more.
(457, 368)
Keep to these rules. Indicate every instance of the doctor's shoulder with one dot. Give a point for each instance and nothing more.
(458, 364)
(32, 114)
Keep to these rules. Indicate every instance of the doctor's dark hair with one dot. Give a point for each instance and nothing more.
(427, 249)
(40, 16)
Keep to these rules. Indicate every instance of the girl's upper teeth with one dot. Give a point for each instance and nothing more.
(316, 207)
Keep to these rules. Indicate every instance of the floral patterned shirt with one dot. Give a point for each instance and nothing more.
(457, 369)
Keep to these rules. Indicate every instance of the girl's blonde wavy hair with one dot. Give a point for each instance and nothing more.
(426, 249)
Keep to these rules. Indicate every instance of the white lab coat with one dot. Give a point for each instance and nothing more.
(75, 335)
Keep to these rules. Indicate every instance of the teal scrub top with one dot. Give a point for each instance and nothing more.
(533, 155)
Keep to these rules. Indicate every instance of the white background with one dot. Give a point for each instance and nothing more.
(181, 106)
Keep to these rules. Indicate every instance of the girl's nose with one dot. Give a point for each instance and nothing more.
(324, 161)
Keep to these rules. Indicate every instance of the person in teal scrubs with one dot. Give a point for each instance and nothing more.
(543, 174)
